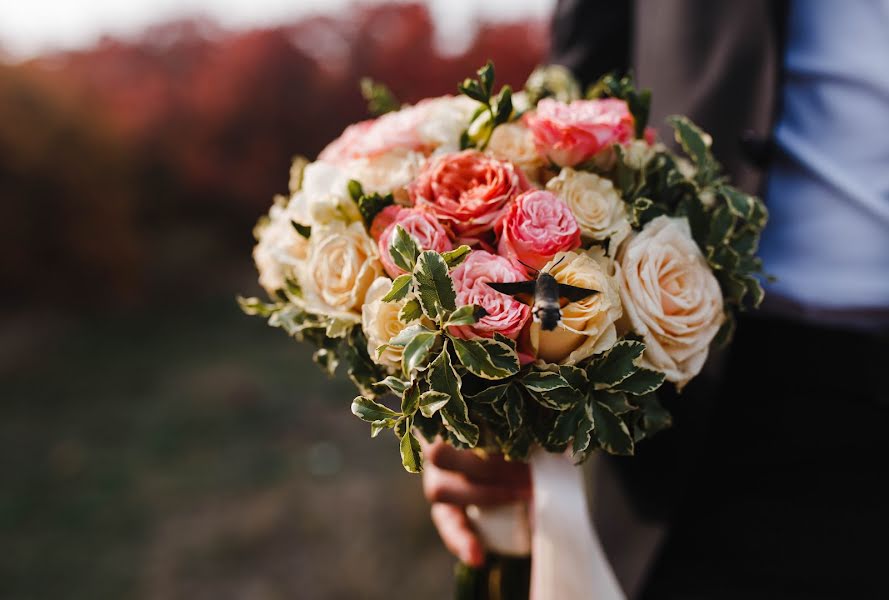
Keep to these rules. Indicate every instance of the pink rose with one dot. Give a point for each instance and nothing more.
(569, 134)
(468, 190)
(505, 315)
(429, 233)
(535, 228)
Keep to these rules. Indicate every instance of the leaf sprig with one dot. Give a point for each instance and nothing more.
(495, 110)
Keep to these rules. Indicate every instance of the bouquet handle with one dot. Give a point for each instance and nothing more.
(568, 562)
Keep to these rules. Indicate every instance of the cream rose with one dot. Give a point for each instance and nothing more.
(324, 196)
(280, 250)
(670, 297)
(514, 142)
(380, 323)
(587, 327)
(342, 264)
(596, 204)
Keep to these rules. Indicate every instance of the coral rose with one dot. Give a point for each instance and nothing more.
(535, 227)
(468, 190)
(569, 134)
(671, 297)
(505, 315)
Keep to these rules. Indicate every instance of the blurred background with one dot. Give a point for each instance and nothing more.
(155, 442)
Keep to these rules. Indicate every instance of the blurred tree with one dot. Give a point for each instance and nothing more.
(130, 170)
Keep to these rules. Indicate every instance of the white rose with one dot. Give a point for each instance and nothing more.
(638, 152)
(588, 326)
(596, 204)
(514, 142)
(280, 250)
(380, 323)
(342, 263)
(386, 173)
(324, 196)
(442, 121)
(670, 297)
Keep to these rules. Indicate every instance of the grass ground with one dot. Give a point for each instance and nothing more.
(195, 453)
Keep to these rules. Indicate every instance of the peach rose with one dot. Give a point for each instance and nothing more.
(425, 228)
(424, 127)
(595, 204)
(671, 297)
(342, 263)
(467, 190)
(514, 142)
(588, 326)
(569, 134)
(535, 227)
(380, 323)
(505, 315)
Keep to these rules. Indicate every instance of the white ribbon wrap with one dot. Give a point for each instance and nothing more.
(567, 559)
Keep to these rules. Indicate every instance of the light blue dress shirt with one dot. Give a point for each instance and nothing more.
(827, 241)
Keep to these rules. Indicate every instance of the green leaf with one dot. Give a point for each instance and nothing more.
(337, 328)
(576, 377)
(653, 417)
(380, 98)
(431, 402)
(504, 106)
(410, 400)
(616, 401)
(371, 411)
(740, 204)
(403, 249)
(411, 311)
(408, 333)
(471, 88)
(551, 389)
(745, 242)
(514, 409)
(394, 384)
(416, 352)
(371, 205)
(468, 314)
(456, 256)
(455, 415)
(613, 434)
(721, 224)
(400, 288)
(435, 290)
(583, 434)
(411, 455)
(355, 189)
(490, 394)
(641, 382)
(564, 427)
(256, 307)
(486, 358)
(754, 288)
(694, 142)
(726, 331)
(618, 364)
(303, 230)
(486, 77)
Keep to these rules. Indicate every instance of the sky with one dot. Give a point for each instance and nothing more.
(28, 27)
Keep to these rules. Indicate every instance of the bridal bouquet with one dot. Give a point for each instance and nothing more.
(517, 273)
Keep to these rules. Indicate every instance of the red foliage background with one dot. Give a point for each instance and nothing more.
(132, 172)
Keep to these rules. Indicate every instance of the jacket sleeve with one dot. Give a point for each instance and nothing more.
(592, 37)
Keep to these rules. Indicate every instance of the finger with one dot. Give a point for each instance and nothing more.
(452, 488)
(493, 469)
(457, 534)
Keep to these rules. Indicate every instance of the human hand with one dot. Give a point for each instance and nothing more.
(453, 479)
